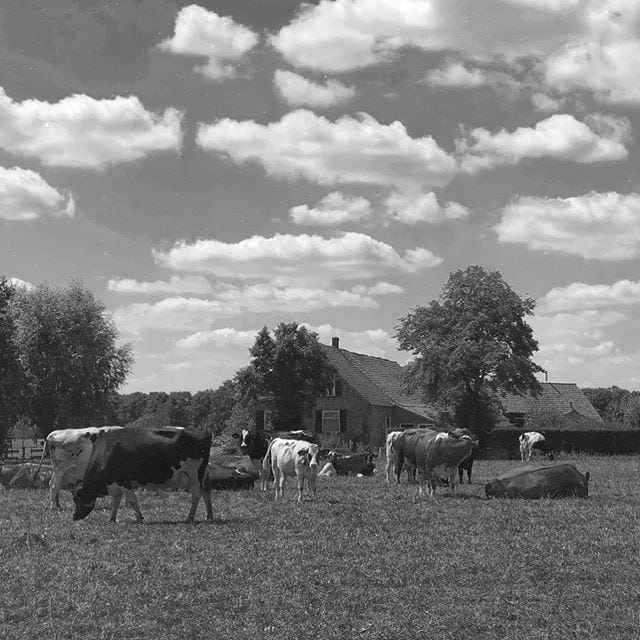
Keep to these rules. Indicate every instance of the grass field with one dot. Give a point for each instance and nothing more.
(362, 561)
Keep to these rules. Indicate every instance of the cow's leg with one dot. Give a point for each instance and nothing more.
(399, 465)
(55, 484)
(452, 480)
(206, 497)
(313, 485)
(432, 482)
(300, 478)
(276, 481)
(421, 481)
(196, 494)
(116, 497)
(280, 485)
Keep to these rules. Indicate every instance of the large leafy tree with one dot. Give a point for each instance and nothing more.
(9, 367)
(66, 344)
(471, 344)
(289, 369)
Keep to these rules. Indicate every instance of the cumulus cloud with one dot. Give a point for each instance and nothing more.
(545, 103)
(82, 132)
(203, 33)
(596, 226)
(342, 35)
(421, 207)
(604, 60)
(455, 74)
(579, 296)
(175, 285)
(218, 339)
(333, 210)
(349, 150)
(25, 195)
(599, 138)
(296, 258)
(297, 91)
(171, 314)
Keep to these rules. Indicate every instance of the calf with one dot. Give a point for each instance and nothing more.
(357, 463)
(291, 458)
(163, 458)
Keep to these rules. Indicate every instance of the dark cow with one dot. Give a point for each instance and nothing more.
(221, 477)
(467, 463)
(428, 451)
(356, 463)
(556, 481)
(255, 444)
(162, 458)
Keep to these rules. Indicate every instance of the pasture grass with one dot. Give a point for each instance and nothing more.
(361, 561)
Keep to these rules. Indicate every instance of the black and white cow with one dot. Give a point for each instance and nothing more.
(162, 458)
(532, 443)
(255, 444)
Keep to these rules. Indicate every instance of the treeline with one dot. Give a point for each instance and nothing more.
(617, 407)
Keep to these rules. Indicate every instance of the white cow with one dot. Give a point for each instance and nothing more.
(70, 450)
(533, 442)
(294, 458)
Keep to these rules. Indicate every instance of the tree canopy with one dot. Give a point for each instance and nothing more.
(9, 366)
(470, 344)
(289, 370)
(68, 356)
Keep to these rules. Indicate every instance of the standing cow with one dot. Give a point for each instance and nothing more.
(255, 444)
(291, 458)
(533, 442)
(70, 450)
(163, 458)
(430, 451)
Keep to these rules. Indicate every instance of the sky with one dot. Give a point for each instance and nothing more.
(210, 169)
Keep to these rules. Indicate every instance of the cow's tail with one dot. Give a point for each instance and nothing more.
(45, 450)
(266, 467)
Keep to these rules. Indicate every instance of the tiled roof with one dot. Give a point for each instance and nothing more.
(377, 380)
(562, 397)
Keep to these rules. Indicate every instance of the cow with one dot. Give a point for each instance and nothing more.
(554, 481)
(356, 463)
(70, 450)
(467, 463)
(295, 458)
(255, 444)
(327, 470)
(390, 453)
(160, 458)
(533, 442)
(429, 451)
(221, 477)
(7, 472)
(31, 476)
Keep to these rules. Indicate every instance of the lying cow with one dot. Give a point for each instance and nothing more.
(291, 458)
(533, 442)
(255, 444)
(163, 458)
(221, 477)
(431, 452)
(356, 463)
(556, 481)
(70, 450)
(7, 473)
(31, 476)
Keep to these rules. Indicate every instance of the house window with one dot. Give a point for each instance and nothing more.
(330, 421)
(406, 425)
(335, 388)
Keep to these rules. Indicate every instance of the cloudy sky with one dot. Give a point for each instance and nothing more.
(208, 169)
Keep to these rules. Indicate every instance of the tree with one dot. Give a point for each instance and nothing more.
(289, 369)
(66, 344)
(470, 344)
(210, 409)
(9, 366)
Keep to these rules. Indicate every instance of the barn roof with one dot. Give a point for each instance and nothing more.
(377, 380)
(563, 397)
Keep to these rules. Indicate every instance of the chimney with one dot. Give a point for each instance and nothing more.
(335, 342)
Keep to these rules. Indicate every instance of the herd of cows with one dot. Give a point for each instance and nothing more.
(115, 461)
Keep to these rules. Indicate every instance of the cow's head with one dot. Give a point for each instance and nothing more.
(494, 489)
(245, 440)
(84, 501)
(308, 456)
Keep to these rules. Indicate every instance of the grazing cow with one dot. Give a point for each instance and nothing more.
(295, 458)
(162, 458)
(533, 442)
(555, 481)
(356, 463)
(255, 444)
(221, 477)
(31, 476)
(70, 450)
(429, 451)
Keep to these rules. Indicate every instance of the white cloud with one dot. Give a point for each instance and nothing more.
(218, 339)
(297, 259)
(222, 41)
(421, 207)
(175, 285)
(598, 226)
(346, 151)
(25, 195)
(579, 295)
(604, 60)
(545, 103)
(455, 74)
(333, 210)
(599, 139)
(170, 314)
(297, 91)
(342, 35)
(80, 131)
